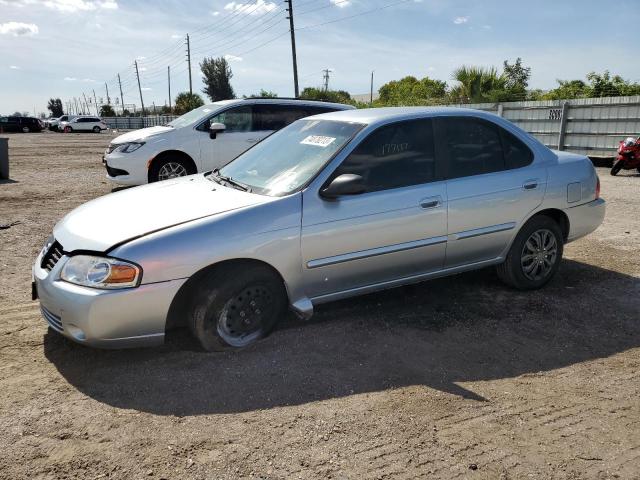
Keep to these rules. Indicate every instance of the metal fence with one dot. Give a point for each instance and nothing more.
(590, 126)
(134, 123)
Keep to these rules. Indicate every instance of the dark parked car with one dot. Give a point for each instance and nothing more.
(20, 124)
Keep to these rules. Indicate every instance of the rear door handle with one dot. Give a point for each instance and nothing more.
(530, 185)
(252, 140)
(431, 202)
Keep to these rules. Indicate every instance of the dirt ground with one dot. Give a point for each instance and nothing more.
(454, 378)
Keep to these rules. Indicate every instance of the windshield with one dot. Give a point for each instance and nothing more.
(289, 158)
(193, 116)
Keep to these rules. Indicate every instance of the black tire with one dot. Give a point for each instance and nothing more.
(235, 307)
(25, 130)
(97, 130)
(160, 164)
(617, 167)
(512, 271)
(68, 129)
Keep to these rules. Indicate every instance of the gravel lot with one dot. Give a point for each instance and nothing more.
(454, 378)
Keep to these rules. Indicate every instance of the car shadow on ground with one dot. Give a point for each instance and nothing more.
(437, 334)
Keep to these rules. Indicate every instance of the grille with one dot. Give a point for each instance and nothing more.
(52, 256)
(54, 321)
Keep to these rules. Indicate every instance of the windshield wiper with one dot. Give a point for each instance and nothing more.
(216, 175)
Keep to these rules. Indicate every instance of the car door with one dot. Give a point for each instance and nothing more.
(13, 124)
(492, 185)
(395, 229)
(238, 136)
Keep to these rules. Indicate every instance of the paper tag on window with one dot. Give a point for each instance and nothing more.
(318, 141)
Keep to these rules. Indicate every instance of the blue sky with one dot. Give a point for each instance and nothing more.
(65, 48)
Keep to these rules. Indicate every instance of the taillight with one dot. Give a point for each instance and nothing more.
(597, 187)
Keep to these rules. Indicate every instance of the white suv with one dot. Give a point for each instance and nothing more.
(205, 138)
(82, 124)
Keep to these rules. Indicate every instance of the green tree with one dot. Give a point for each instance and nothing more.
(55, 107)
(568, 89)
(185, 102)
(263, 94)
(411, 91)
(217, 79)
(336, 96)
(107, 111)
(478, 84)
(516, 80)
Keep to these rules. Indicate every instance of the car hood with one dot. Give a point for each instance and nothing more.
(141, 134)
(119, 217)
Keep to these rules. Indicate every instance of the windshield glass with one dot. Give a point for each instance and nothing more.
(193, 116)
(289, 158)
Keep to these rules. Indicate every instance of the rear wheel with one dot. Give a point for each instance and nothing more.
(534, 256)
(168, 167)
(25, 130)
(96, 130)
(235, 307)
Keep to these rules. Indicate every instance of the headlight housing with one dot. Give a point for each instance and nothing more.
(101, 272)
(128, 147)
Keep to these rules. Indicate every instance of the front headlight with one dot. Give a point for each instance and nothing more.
(128, 147)
(100, 272)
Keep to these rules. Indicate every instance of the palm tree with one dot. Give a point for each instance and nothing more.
(477, 84)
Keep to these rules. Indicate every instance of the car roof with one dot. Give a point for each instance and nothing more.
(370, 116)
(283, 101)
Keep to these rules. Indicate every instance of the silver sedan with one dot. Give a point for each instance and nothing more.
(333, 206)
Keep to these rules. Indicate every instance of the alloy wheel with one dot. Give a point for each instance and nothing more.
(172, 170)
(539, 254)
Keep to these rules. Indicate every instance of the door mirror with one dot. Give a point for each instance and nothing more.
(215, 129)
(345, 184)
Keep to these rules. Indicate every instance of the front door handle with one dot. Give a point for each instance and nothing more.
(530, 185)
(252, 140)
(431, 202)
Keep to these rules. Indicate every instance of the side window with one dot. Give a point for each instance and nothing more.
(474, 146)
(516, 153)
(394, 156)
(269, 117)
(238, 119)
(317, 110)
(4, 120)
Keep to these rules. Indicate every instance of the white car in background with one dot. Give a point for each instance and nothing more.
(82, 124)
(53, 123)
(206, 138)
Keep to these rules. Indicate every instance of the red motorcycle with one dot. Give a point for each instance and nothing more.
(628, 156)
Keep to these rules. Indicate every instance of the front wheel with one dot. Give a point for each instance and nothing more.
(535, 255)
(617, 167)
(168, 168)
(235, 307)
(68, 129)
(96, 130)
(25, 130)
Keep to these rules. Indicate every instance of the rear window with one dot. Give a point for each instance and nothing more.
(516, 153)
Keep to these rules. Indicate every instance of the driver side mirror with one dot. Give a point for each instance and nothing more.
(345, 184)
(215, 129)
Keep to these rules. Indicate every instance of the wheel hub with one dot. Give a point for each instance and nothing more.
(243, 315)
(539, 254)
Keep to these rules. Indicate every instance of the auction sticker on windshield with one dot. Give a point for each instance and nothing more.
(318, 140)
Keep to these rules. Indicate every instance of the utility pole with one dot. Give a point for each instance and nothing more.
(371, 96)
(325, 76)
(95, 101)
(75, 100)
(121, 97)
(139, 87)
(106, 87)
(293, 48)
(189, 64)
(169, 83)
